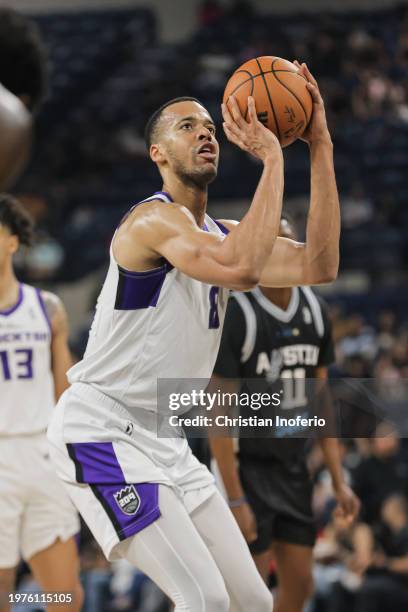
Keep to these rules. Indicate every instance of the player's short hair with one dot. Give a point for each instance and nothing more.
(23, 59)
(15, 217)
(151, 130)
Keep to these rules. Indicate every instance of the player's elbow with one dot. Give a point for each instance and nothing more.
(324, 275)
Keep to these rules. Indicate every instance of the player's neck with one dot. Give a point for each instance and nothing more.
(280, 297)
(8, 288)
(191, 196)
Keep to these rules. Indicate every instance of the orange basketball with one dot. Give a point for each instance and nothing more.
(283, 102)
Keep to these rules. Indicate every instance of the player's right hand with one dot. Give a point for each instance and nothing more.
(246, 521)
(249, 135)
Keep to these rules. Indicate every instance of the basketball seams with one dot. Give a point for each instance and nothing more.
(269, 98)
(249, 75)
(290, 91)
(253, 76)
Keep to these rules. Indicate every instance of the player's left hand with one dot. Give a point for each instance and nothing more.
(348, 506)
(317, 129)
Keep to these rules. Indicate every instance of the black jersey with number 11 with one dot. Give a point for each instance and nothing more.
(282, 347)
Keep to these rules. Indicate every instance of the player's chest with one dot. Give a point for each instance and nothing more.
(282, 346)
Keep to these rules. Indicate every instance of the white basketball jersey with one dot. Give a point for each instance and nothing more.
(149, 325)
(26, 382)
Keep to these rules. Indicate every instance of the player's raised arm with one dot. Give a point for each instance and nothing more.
(237, 261)
(316, 261)
(60, 353)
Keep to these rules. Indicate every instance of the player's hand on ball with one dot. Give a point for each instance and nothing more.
(249, 135)
(246, 521)
(317, 129)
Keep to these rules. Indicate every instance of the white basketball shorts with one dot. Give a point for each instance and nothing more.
(35, 509)
(112, 466)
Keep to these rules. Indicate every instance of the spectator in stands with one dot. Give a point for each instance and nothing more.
(381, 474)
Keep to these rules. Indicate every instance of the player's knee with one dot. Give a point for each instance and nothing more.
(209, 597)
(217, 601)
(260, 600)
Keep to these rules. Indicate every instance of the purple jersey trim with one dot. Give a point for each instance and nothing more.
(43, 308)
(9, 311)
(222, 227)
(138, 290)
(151, 198)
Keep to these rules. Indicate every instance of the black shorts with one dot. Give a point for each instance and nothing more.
(280, 495)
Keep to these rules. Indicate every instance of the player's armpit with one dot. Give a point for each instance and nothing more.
(60, 353)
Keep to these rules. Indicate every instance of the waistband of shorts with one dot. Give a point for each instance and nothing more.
(146, 419)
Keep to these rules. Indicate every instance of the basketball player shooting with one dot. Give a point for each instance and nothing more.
(160, 314)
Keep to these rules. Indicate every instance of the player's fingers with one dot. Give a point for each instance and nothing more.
(314, 92)
(309, 75)
(226, 113)
(252, 116)
(234, 129)
(233, 138)
(235, 112)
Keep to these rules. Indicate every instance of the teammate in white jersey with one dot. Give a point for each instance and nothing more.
(38, 521)
(160, 314)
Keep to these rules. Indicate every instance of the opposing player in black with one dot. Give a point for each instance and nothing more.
(283, 336)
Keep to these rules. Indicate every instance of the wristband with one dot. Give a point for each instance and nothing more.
(235, 503)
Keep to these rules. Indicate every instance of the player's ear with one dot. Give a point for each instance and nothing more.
(13, 244)
(157, 153)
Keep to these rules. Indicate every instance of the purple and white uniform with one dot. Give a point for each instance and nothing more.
(34, 508)
(26, 383)
(148, 325)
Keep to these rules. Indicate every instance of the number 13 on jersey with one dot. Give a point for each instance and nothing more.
(16, 364)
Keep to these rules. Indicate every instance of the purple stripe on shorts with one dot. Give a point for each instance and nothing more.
(95, 462)
(139, 289)
(130, 507)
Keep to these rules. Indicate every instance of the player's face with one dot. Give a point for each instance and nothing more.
(8, 245)
(189, 144)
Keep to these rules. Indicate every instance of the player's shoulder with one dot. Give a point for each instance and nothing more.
(53, 305)
(240, 307)
(312, 296)
(155, 214)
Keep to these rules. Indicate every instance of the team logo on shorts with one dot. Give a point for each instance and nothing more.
(128, 500)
